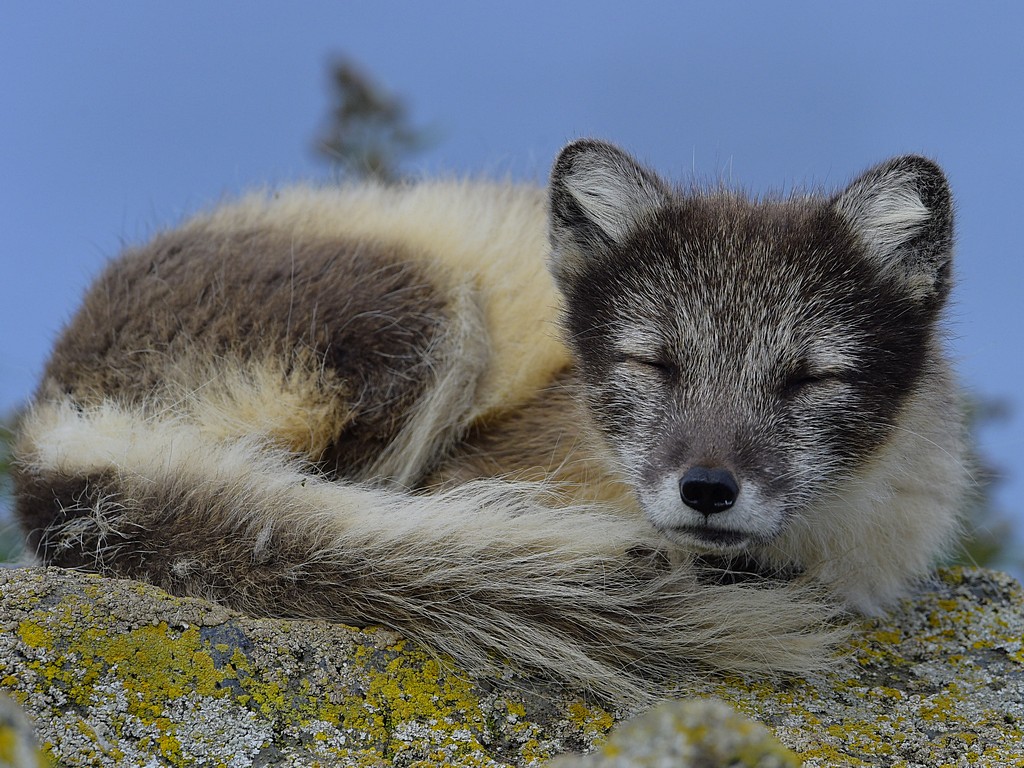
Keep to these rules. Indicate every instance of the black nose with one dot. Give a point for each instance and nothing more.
(708, 490)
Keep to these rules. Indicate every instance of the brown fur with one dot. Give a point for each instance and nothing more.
(343, 334)
(545, 440)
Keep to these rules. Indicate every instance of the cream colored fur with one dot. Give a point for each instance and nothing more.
(492, 236)
(885, 522)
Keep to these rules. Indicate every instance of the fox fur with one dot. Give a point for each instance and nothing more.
(374, 404)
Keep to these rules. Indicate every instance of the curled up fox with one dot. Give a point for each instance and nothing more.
(613, 431)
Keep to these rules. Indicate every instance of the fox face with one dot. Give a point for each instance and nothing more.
(743, 359)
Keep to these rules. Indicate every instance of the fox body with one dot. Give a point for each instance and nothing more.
(543, 425)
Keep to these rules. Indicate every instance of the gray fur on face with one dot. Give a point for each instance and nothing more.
(776, 339)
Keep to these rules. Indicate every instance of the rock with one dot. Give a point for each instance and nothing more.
(119, 673)
(18, 748)
(695, 733)
(938, 683)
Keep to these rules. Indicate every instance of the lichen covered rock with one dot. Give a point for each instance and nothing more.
(938, 684)
(116, 673)
(694, 733)
(18, 748)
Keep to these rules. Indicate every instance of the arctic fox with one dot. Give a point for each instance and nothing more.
(373, 404)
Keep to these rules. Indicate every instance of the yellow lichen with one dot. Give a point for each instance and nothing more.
(34, 634)
(589, 721)
(940, 707)
(533, 751)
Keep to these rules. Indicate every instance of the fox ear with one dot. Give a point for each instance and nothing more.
(902, 213)
(598, 196)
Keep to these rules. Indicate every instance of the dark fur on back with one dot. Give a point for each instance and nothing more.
(357, 320)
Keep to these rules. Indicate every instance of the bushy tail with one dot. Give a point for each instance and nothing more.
(483, 572)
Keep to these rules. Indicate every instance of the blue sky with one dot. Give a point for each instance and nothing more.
(119, 119)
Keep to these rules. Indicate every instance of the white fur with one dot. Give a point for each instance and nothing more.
(886, 211)
(751, 515)
(887, 524)
(616, 203)
(885, 215)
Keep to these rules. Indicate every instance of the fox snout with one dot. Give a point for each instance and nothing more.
(708, 490)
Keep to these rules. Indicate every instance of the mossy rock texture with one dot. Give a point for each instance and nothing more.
(117, 673)
(18, 747)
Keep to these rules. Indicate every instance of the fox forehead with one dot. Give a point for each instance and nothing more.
(756, 280)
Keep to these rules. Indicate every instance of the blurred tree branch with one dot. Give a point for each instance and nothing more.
(369, 133)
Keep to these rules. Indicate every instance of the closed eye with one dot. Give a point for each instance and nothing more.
(660, 366)
(804, 380)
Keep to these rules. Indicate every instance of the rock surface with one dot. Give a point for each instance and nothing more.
(18, 748)
(694, 733)
(119, 673)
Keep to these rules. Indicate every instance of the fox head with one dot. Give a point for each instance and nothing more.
(743, 358)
